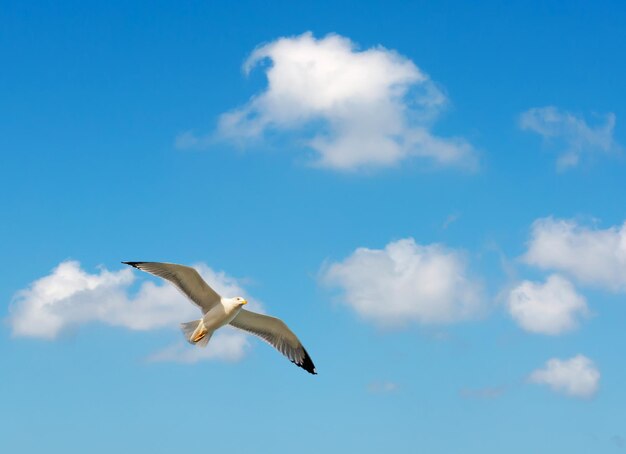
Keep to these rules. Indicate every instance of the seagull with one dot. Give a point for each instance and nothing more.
(218, 311)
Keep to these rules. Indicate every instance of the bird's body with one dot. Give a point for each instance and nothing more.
(218, 311)
(217, 316)
(221, 314)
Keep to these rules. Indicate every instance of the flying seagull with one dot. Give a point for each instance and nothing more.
(218, 311)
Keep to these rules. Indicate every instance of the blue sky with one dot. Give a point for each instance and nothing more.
(443, 228)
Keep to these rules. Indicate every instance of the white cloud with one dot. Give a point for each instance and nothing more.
(578, 136)
(577, 376)
(370, 108)
(593, 256)
(70, 297)
(550, 308)
(406, 282)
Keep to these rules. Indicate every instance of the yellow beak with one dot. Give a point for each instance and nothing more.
(244, 302)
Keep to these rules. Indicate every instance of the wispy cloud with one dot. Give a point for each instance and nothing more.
(451, 219)
(575, 377)
(225, 345)
(576, 135)
(383, 387)
(189, 139)
(70, 297)
(355, 109)
(406, 283)
(590, 255)
(553, 307)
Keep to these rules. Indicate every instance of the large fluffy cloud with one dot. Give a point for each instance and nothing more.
(549, 308)
(70, 297)
(593, 256)
(369, 108)
(577, 135)
(406, 282)
(576, 377)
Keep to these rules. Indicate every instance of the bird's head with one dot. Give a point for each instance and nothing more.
(240, 301)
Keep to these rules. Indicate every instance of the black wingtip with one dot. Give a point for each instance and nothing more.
(133, 264)
(307, 364)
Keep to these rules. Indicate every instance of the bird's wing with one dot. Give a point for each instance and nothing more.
(185, 279)
(276, 333)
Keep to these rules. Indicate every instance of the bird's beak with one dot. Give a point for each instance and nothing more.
(244, 303)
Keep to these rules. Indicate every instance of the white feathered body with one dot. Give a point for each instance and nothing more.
(221, 314)
(199, 332)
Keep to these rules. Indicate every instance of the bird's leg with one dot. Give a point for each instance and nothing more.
(199, 333)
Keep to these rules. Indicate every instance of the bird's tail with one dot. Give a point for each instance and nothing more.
(196, 333)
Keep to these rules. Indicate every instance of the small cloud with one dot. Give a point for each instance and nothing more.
(574, 132)
(592, 256)
(406, 283)
(575, 377)
(550, 308)
(382, 387)
(481, 393)
(225, 345)
(355, 108)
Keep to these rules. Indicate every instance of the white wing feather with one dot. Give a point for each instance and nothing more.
(274, 331)
(185, 279)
